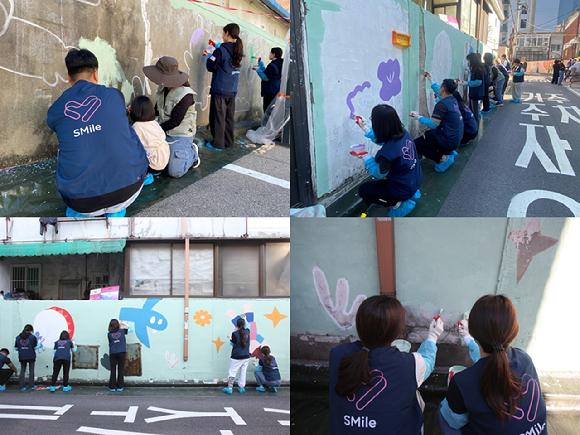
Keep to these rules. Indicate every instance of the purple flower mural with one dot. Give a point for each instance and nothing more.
(389, 74)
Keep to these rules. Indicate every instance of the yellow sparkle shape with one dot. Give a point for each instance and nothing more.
(202, 318)
(218, 343)
(275, 316)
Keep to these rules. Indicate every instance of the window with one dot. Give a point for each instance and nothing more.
(523, 24)
(219, 269)
(99, 280)
(25, 278)
(556, 47)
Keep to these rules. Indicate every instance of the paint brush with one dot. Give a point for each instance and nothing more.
(439, 316)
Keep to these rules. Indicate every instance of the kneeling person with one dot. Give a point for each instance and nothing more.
(101, 162)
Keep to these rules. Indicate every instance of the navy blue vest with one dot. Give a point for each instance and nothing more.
(63, 348)
(117, 343)
(98, 152)
(389, 406)
(530, 413)
(450, 129)
(274, 74)
(239, 352)
(225, 79)
(518, 79)
(405, 175)
(26, 347)
(469, 123)
(487, 80)
(271, 372)
(3, 359)
(477, 93)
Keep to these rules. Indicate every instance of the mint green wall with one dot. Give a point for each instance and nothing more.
(91, 320)
(347, 41)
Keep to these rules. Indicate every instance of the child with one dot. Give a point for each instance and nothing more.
(267, 372)
(360, 371)
(151, 134)
(271, 76)
(240, 357)
(26, 344)
(6, 373)
(117, 354)
(225, 64)
(495, 394)
(518, 72)
(395, 165)
(62, 350)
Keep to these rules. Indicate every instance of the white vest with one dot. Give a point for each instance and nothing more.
(165, 107)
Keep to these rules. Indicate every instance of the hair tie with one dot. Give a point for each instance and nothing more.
(366, 348)
(497, 347)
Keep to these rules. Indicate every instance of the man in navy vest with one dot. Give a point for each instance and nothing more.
(6, 373)
(101, 161)
(271, 76)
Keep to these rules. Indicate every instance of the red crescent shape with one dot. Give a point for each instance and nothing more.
(69, 320)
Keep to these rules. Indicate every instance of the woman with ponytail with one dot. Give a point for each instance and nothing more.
(225, 64)
(240, 341)
(501, 393)
(26, 345)
(373, 385)
(267, 372)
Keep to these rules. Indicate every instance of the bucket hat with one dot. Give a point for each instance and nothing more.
(166, 73)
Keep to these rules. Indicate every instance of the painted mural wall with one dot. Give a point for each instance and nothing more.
(448, 264)
(157, 327)
(125, 36)
(351, 71)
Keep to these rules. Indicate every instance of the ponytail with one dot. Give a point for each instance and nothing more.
(26, 332)
(242, 328)
(353, 370)
(266, 352)
(234, 31)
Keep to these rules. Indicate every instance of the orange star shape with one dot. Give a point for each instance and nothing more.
(275, 316)
(218, 343)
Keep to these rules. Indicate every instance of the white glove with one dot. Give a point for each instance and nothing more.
(362, 123)
(428, 77)
(463, 328)
(435, 329)
(415, 115)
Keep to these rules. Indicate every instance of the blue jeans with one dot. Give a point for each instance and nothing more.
(499, 91)
(183, 155)
(561, 77)
(261, 380)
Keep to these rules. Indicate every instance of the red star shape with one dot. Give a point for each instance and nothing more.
(529, 242)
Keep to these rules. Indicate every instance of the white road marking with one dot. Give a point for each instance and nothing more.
(29, 416)
(573, 91)
(560, 147)
(519, 204)
(226, 432)
(566, 116)
(129, 415)
(280, 411)
(532, 147)
(58, 411)
(284, 422)
(99, 431)
(260, 176)
(230, 412)
(535, 116)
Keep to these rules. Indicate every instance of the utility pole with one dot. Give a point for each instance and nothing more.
(516, 29)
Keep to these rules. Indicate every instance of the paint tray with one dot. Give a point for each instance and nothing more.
(401, 39)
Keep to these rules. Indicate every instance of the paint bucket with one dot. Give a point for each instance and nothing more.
(358, 150)
(402, 345)
(453, 371)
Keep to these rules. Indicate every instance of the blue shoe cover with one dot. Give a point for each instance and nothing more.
(241, 390)
(518, 101)
(227, 390)
(118, 214)
(211, 147)
(486, 111)
(119, 389)
(403, 209)
(3, 388)
(71, 213)
(65, 389)
(260, 389)
(273, 389)
(417, 195)
(148, 180)
(454, 153)
(112, 389)
(23, 389)
(442, 167)
(52, 389)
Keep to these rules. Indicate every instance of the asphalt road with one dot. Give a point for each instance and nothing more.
(527, 162)
(161, 411)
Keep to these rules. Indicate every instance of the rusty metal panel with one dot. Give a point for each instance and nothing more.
(86, 357)
(133, 360)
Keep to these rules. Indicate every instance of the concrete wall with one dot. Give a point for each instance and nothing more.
(161, 346)
(352, 61)
(448, 264)
(125, 36)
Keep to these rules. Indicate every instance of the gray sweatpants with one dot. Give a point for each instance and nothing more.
(517, 91)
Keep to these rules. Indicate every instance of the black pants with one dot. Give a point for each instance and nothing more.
(221, 121)
(505, 84)
(117, 361)
(268, 98)
(378, 192)
(474, 106)
(22, 380)
(5, 375)
(486, 99)
(65, 369)
(429, 146)
(468, 137)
